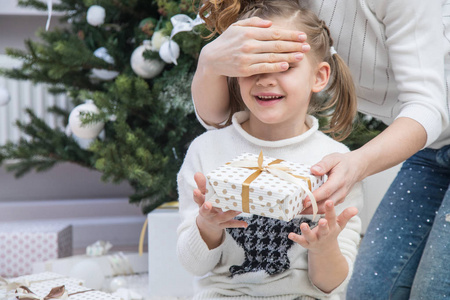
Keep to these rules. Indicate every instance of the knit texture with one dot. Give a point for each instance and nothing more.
(259, 261)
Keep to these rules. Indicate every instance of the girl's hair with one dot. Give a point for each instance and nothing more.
(339, 102)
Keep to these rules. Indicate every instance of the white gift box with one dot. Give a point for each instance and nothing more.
(41, 284)
(22, 244)
(271, 187)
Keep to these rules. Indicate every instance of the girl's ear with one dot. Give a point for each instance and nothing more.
(322, 77)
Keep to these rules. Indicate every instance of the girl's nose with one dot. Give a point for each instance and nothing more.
(266, 79)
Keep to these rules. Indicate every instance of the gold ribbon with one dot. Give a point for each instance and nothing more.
(276, 169)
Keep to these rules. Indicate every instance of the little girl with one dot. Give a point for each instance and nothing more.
(243, 256)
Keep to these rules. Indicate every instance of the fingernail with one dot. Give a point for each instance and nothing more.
(316, 169)
(298, 56)
(302, 37)
(306, 47)
(307, 203)
(284, 66)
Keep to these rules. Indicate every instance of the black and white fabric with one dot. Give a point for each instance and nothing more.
(266, 243)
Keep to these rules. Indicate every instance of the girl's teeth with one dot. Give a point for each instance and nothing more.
(269, 97)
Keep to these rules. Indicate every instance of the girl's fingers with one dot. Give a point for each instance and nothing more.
(298, 239)
(307, 233)
(323, 228)
(199, 198)
(216, 215)
(330, 213)
(346, 215)
(200, 180)
(234, 224)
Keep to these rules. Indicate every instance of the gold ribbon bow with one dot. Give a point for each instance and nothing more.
(276, 169)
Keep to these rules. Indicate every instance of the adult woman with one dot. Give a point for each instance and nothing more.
(396, 51)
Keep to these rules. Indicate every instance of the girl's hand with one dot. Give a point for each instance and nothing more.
(252, 46)
(211, 221)
(343, 172)
(323, 237)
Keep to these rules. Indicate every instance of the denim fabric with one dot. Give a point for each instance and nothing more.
(405, 253)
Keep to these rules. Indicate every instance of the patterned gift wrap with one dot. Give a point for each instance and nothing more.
(42, 285)
(263, 186)
(24, 243)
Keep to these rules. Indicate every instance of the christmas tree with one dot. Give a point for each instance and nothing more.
(129, 81)
(127, 67)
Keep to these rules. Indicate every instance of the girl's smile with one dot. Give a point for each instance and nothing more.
(268, 99)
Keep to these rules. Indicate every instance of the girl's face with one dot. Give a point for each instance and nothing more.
(282, 99)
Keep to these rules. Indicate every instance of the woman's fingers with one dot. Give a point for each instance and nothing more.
(262, 31)
(253, 22)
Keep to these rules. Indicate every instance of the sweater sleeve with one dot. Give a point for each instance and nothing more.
(414, 37)
(192, 251)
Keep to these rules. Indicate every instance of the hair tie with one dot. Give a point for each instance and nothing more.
(332, 51)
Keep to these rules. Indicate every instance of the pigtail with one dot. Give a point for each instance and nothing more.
(342, 99)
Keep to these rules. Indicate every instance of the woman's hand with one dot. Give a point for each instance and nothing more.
(343, 172)
(252, 46)
(246, 48)
(211, 221)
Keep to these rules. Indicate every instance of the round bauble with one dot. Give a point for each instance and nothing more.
(90, 271)
(145, 68)
(103, 74)
(116, 283)
(4, 96)
(169, 52)
(84, 131)
(95, 15)
(158, 38)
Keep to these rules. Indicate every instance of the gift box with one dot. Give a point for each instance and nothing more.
(22, 244)
(263, 186)
(43, 284)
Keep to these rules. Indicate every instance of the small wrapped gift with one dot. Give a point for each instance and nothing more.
(25, 243)
(263, 186)
(49, 285)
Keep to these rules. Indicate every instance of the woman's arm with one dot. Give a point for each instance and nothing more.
(400, 140)
(416, 52)
(246, 48)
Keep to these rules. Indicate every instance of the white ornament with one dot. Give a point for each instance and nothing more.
(85, 131)
(116, 283)
(96, 15)
(4, 96)
(169, 52)
(127, 294)
(143, 67)
(158, 39)
(102, 53)
(90, 271)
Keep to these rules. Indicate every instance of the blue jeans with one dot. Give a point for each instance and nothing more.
(405, 253)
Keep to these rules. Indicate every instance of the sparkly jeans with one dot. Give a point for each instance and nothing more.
(405, 253)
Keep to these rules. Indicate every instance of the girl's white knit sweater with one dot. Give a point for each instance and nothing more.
(229, 270)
